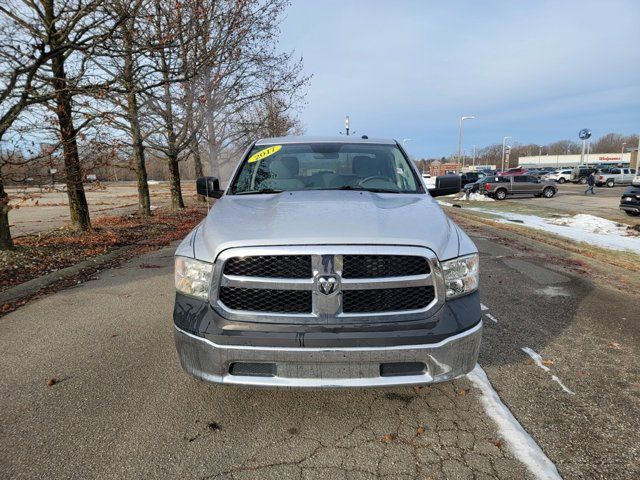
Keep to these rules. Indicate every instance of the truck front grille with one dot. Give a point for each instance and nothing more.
(285, 284)
(271, 266)
(372, 266)
(266, 300)
(387, 299)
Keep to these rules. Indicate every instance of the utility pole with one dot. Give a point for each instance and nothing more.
(622, 153)
(474, 156)
(346, 125)
(462, 119)
(504, 140)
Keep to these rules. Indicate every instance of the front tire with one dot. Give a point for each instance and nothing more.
(501, 194)
(610, 183)
(561, 180)
(548, 192)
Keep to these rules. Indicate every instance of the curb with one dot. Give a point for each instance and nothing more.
(32, 287)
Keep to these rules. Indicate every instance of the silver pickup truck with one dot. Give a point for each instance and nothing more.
(614, 176)
(327, 263)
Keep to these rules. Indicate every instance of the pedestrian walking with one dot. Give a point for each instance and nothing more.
(592, 182)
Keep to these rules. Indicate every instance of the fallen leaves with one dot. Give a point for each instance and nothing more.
(498, 443)
(421, 430)
(52, 381)
(47, 252)
(463, 392)
(615, 345)
(547, 362)
(389, 437)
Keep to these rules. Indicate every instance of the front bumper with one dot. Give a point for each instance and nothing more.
(329, 366)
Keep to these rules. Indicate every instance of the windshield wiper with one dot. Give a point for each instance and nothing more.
(257, 192)
(364, 189)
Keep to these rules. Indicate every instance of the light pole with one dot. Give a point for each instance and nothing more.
(504, 140)
(346, 125)
(539, 154)
(474, 156)
(622, 153)
(462, 119)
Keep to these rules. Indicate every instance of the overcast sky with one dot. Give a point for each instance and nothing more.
(538, 71)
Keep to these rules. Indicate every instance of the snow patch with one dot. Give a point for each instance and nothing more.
(535, 356)
(552, 291)
(475, 197)
(483, 307)
(593, 230)
(491, 317)
(153, 182)
(593, 224)
(519, 442)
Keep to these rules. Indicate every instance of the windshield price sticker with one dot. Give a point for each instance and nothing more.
(262, 154)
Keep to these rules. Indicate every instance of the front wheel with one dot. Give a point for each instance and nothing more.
(582, 181)
(610, 183)
(561, 180)
(632, 214)
(501, 194)
(548, 192)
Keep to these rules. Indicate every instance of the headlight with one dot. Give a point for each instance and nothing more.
(193, 277)
(461, 275)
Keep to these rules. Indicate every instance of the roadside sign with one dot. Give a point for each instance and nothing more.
(584, 134)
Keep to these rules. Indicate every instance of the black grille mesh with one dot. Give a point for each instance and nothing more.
(386, 299)
(372, 266)
(265, 300)
(273, 266)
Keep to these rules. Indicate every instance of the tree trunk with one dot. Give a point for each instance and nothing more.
(197, 160)
(144, 199)
(174, 184)
(6, 243)
(75, 189)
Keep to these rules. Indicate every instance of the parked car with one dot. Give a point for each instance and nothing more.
(513, 171)
(537, 173)
(519, 185)
(327, 263)
(470, 177)
(477, 186)
(580, 174)
(615, 176)
(630, 201)
(560, 176)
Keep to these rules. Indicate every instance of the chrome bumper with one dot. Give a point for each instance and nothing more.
(329, 367)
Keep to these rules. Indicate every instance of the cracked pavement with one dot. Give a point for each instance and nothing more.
(123, 408)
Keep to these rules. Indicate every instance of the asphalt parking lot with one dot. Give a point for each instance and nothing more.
(122, 407)
(571, 198)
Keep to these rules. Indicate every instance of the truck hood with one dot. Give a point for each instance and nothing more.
(325, 217)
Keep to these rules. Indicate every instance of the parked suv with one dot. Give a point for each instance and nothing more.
(327, 263)
(580, 174)
(470, 177)
(560, 176)
(513, 171)
(519, 185)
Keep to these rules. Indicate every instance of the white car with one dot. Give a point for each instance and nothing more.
(560, 176)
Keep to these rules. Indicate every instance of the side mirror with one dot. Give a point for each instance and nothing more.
(446, 185)
(209, 187)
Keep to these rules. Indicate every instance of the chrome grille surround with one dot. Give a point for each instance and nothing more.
(327, 261)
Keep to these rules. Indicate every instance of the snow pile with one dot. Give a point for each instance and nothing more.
(593, 224)
(475, 197)
(596, 231)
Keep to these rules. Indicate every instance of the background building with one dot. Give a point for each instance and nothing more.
(571, 160)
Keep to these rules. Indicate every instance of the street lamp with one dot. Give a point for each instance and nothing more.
(462, 119)
(622, 152)
(504, 140)
(346, 125)
(539, 154)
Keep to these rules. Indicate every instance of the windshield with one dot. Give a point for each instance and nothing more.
(325, 166)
